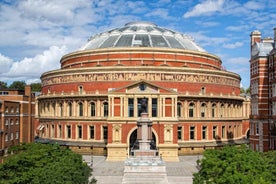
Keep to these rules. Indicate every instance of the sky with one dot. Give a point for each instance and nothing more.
(35, 34)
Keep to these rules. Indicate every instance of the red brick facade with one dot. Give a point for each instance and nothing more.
(17, 110)
(92, 103)
(263, 92)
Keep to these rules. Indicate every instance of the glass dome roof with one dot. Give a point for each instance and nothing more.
(141, 34)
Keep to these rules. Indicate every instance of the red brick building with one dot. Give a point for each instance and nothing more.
(16, 117)
(91, 104)
(263, 92)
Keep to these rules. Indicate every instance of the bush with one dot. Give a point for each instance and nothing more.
(42, 164)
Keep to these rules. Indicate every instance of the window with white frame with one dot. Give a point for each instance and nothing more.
(273, 108)
(191, 110)
(179, 107)
(92, 109)
(16, 135)
(179, 133)
(192, 132)
(80, 109)
(254, 87)
(254, 106)
(105, 109)
(6, 137)
(7, 122)
(79, 132)
(203, 110)
(59, 131)
(214, 132)
(68, 131)
(204, 132)
(91, 132)
(52, 130)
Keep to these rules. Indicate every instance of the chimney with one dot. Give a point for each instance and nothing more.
(255, 37)
(28, 90)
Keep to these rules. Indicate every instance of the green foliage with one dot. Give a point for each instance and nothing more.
(36, 87)
(245, 90)
(20, 85)
(43, 164)
(233, 165)
(271, 159)
(3, 85)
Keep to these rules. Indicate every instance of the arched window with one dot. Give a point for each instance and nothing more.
(60, 109)
(54, 109)
(80, 109)
(80, 89)
(92, 109)
(203, 90)
(203, 110)
(214, 110)
(221, 110)
(191, 110)
(70, 109)
(179, 107)
(105, 108)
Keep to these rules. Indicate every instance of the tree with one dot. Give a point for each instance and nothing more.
(43, 163)
(233, 165)
(36, 87)
(20, 85)
(271, 159)
(3, 85)
(245, 90)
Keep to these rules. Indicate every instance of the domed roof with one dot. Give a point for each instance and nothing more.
(141, 34)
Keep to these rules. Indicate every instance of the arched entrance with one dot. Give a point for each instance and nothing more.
(134, 144)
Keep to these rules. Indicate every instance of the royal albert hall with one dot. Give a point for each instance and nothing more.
(92, 103)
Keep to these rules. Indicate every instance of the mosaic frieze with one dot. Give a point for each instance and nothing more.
(176, 77)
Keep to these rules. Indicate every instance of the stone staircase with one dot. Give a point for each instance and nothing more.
(145, 170)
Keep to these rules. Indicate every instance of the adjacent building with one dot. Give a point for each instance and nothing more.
(263, 92)
(92, 103)
(16, 117)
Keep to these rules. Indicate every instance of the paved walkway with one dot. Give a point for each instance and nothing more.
(112, 172)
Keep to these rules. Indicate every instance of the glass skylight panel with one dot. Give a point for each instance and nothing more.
(158, 41)
(160, 29)
(125, 40)
(109, 42)
(96, 42)
(149, 29)
(173, 42)
(134, 28)
(123, 29)
(144, 38)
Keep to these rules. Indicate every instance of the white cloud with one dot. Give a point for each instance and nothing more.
(253, 5)
(205, 41)
(5, 63)
(233, 45)
(205, 8)
(30, 69)
(237, 60)
(237, 28)
(160, 12)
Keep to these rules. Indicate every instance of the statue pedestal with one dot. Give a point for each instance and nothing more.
(144, 166)
(145, 169)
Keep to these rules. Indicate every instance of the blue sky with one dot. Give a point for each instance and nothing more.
(35, 34)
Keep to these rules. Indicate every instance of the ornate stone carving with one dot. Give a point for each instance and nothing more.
(176, 77)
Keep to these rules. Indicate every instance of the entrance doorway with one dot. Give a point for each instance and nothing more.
(134, 144)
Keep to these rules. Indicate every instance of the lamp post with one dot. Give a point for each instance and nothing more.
(91, 160)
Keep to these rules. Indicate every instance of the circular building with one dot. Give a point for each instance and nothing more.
(92, 103)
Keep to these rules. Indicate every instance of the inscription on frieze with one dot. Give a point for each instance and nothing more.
(177, 77)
